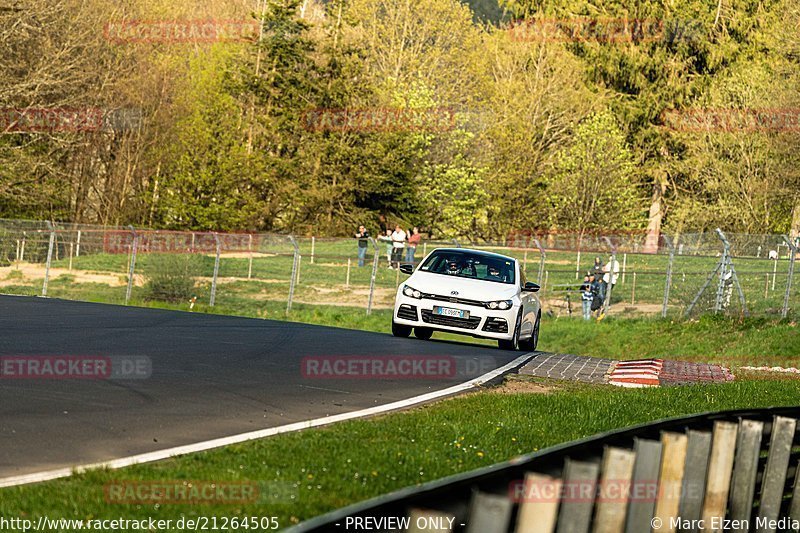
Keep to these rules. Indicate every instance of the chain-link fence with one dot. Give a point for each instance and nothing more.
(267, 274)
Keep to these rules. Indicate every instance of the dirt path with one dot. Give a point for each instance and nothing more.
(35, 272)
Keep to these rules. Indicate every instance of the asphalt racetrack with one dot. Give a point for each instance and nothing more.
(180, 378)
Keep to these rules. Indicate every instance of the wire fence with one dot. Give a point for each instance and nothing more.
(263, 274)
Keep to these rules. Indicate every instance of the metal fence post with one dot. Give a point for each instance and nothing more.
(374, 274)
(132, 265)
(668, 282)
(78, 245)
(789, 276)
(216, 271)
(250, 251)
(313, 242)
(541, 260)
(726, 267)
(610, 284)
(49, 257)
(293, 279)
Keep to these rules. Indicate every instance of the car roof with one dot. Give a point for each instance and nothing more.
(482, 253)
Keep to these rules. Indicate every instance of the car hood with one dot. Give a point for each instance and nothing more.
(470, 289)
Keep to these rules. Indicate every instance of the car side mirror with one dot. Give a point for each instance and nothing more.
(407, 269)
(531, 287)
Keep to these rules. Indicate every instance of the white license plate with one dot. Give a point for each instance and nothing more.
(448, 311)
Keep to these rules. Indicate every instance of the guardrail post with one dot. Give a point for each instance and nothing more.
(541, 260)
(216, 271)
(374, 274)
(132, 265)
(293, 279)
(668, 282)
(49, 257)
(792, 253)
(313, 242)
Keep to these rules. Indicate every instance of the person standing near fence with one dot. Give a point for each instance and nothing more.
(411, 247)
(398, 243)
(611, 273)
(387, 238)
(597, 271)
(596, 304)
(363, 243)
(588, 290)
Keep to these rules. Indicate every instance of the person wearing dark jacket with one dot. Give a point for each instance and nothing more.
(588, 291)
(363, 243)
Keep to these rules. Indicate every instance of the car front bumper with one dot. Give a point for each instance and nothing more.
(482, 322)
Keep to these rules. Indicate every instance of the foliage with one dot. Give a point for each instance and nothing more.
(222, 139)
(592, 184)
(172, 277)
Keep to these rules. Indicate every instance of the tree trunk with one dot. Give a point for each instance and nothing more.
(795, 231)
(654, 219)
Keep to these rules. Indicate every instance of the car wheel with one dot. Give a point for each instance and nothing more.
(399, 330)
(530, 344)
(423, 333)
(513, 343)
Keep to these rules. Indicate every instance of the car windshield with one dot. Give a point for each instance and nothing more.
(470, 265)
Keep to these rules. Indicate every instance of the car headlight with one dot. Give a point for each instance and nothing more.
(501, 304)
(411, 292)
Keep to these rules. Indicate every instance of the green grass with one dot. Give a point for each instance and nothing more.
(327, 468)
(323, 469)
(717, 339)
(329, 270)
(711, 339)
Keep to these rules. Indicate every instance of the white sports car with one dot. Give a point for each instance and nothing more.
(470, 292)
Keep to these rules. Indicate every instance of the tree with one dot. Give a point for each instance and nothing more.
(592, 183)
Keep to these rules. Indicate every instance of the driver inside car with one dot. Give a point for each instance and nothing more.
(452, 268)
(493, 274)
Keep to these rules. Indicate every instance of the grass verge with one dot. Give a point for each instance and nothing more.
(326, 468)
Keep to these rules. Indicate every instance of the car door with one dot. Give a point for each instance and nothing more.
(529, 305)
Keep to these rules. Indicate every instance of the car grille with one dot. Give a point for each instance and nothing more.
(407, 312)
(467, 323)
(495, 325)
(452, 299)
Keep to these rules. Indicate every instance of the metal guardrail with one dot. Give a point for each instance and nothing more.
(730, 465)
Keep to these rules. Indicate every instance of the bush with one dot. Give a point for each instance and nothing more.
(172, 277)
